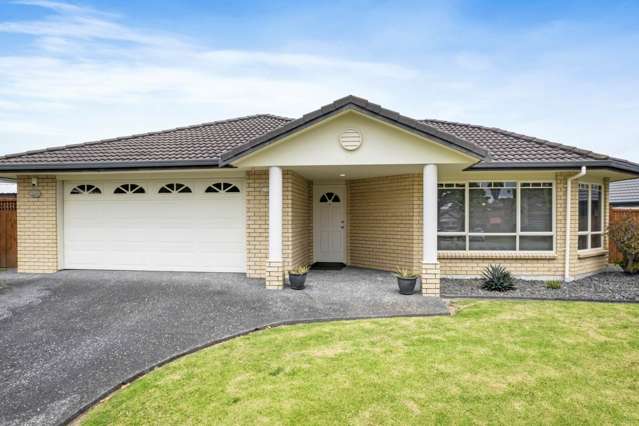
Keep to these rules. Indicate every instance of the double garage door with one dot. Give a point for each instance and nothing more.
(155, 225)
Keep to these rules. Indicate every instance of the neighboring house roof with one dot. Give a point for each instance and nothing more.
(625, 192)
(219, 143)
(7, 189)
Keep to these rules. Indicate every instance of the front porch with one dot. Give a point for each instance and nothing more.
(375, 217)
(365, 289)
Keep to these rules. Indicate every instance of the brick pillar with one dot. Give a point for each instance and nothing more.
(275, 274)
(256, 223)
(430, 279)
(275, 263)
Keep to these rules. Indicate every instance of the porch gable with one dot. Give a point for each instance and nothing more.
(355, 139)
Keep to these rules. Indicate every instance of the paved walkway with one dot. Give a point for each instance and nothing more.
(68, 338)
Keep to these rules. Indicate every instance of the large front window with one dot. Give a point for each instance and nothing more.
(590, 216)
(495, 216)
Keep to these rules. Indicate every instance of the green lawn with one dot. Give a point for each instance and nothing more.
(493, 362)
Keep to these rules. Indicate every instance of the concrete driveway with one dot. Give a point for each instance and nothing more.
(67, 338)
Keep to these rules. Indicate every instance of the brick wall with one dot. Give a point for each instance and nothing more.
(526, 265)
(297, 220)
(256, 223)
(383, 223)
(37, 226)
(464, 265)
(385, 229)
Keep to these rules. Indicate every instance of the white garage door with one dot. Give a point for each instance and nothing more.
(175, 225)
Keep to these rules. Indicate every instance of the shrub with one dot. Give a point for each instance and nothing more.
(553, 284)
(497, 278)
(405, 273)
(625, 235)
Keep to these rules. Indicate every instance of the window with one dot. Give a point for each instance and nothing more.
(175, 188)
(536, 229)
(329, 197)
(495, 216)
(451, 218)
(85, 189)
(129, 188)
(222, 187)
(590, 217)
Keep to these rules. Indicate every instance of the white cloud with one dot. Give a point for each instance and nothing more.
(93, 70)
(58, 6)
(88, 75)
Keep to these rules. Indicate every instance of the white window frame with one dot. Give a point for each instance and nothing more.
(590, 232)
(518, 232)
(129, 192)
(73, 186)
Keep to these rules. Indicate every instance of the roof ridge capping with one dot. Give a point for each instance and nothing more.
(363, 105)
(536, 140)
(138, 135)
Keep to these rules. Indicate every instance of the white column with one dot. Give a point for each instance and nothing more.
(275, 214)
(430, 214)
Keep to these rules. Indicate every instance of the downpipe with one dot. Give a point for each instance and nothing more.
(581, 174)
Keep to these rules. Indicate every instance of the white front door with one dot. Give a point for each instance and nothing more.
(329, 223)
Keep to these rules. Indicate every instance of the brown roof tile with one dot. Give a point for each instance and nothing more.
(216, 143)
(505, 146)
(205, 141)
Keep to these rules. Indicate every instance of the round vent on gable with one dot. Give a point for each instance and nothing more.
(350, 139)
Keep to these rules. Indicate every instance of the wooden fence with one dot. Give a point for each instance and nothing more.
(8, 233)
(617, 215)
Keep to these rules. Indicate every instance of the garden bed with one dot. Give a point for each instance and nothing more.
(607, 286)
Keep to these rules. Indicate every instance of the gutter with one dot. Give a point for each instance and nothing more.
(613, 164)
(108, 166)
(582, 173)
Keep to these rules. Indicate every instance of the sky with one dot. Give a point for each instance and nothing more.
(565, 71)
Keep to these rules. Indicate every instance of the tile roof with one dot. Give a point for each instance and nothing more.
(625, 192)
(505, 146)
(218, 143)
(363, 106)
(205, 141)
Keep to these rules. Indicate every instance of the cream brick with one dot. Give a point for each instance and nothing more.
(535, 265)
(384, 222)
(297, 223)
(37, 226)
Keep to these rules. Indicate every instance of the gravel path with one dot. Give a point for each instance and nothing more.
(607, 286)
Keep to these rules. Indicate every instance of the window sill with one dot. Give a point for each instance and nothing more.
(496, 255)
(585, 254)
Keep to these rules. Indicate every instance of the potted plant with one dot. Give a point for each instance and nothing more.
(406, 280)
(297, 277)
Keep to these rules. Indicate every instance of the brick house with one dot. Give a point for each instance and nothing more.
(351, 182)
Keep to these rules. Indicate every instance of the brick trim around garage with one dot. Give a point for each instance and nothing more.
(37, 225)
